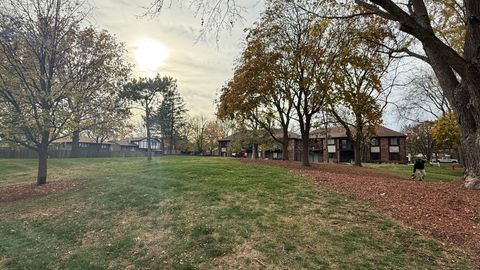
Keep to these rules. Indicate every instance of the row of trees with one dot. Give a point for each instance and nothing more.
(431, 137)
(60, 78)
(147, 93)
(297, 65)
(165, 117)
(201, 135)
(443, 34)
(431, 126)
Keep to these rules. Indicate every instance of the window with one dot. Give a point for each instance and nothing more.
(153, 144)
(83, 145)
(375, 156)
(331, 155)
(105, 146)
(374, 142)
(316, 144)
(393, 141)
(345, 144)
(394, 156)
(331, 141)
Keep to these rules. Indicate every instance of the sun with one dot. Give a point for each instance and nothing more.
(150, 54)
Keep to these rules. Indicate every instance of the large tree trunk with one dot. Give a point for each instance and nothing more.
(172, 132)
(466, 104)
(171, 146)
(305, 152)
(461, 159)
(75, 144)
(162, 144)
(470, 144)
(98, 145)
(42, 159)
(149, 141)
(358, 151)
(468, 118)
(285, 155)
(468, 109)
(464, 96)
(254, 151)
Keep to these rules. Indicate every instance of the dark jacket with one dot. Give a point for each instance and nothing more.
(419, 165)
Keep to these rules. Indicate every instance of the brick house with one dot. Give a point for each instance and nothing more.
(138, 144)
(272, 151)
(85, 143)
(386, 146)
(275, 152)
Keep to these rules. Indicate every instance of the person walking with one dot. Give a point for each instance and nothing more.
(419, 169)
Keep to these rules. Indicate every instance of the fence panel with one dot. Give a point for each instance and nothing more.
(22, 153)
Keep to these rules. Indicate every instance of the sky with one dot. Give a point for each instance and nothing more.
(201, 67)
(169, 44)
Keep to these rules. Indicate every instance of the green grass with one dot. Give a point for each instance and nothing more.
(444, 173)
(199, 213)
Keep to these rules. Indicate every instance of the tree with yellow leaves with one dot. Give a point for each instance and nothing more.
(358, 98)
(445, 131)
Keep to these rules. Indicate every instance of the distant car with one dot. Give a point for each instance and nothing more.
(447, 159)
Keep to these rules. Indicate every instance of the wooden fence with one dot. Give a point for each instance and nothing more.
(6, 152)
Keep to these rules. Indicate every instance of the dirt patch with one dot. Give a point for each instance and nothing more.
(243, 256)
(16, 192)
(445, 211)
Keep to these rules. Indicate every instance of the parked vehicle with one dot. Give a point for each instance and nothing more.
(447, 159)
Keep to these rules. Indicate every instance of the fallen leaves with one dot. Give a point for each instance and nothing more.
(446, 211)
(16, 192)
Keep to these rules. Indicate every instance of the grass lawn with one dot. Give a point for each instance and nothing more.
(444, 173)
(199, 213)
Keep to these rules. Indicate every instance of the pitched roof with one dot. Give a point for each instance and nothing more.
(230, 138)
(278, 134)
(129, 141)
(382, 131)
(137, 139)
(81, 140)
(339, 132)
(291, 135)
(124, 142)
(334, 132)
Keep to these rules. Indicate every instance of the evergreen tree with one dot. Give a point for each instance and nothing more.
(170, 117)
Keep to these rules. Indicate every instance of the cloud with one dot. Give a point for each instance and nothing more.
(201, 66)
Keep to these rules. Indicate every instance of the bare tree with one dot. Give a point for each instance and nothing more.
(216, 15)
(423, 99)
(198, 125)
(420, 139)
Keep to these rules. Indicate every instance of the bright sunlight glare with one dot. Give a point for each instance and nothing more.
(150, 54)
